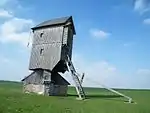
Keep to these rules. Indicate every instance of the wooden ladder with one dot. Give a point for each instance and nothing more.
(78, 86)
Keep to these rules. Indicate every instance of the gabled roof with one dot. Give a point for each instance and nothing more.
(56, 21)
(26, 77)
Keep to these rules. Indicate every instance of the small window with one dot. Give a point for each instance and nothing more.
(41, 34)
(46, 77)
(41, 51)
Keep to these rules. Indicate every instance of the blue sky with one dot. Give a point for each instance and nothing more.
(111, 45)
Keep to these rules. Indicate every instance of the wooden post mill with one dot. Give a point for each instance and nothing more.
(50, 54)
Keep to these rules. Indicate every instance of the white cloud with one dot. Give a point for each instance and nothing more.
(128, 44)
(99, 34)
(100, 71)
(103, 73)
(142, 6)
(143, 72)
(147, 21)
(15, 30)
(12, 70)
(5, 14)
(4, 60)
(96, 73)
(3, 2)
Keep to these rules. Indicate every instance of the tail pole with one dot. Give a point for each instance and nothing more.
(116, 92)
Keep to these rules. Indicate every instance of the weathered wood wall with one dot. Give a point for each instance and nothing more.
(35, 83)
(46, 48)
(70, 41)
(50, 35)
(34, 78)
(67, 43)
(49, 47)
(58, 90)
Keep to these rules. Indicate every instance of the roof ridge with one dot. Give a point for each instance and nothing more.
(54, 21)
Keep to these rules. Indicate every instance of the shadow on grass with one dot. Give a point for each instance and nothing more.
(97, 96)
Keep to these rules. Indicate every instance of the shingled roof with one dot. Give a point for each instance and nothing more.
(56, 21)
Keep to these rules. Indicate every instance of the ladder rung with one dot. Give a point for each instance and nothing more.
(79, 88)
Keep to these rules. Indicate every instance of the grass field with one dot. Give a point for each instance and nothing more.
(12, 100)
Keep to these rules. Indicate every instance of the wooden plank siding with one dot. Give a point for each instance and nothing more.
(65, 35)
(46, 49)
(34, 78)
(48, 35)
(64, 43)
(70, 42)
(67, 43)
(49, 57)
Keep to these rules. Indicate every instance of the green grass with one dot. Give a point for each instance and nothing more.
(12, 100)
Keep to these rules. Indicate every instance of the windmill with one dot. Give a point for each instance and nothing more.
(51, 53)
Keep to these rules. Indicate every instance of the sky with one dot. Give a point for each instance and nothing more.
(111, 45)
